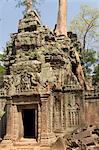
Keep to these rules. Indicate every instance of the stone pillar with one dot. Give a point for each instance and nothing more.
(21, 130)
(39, 122)
(36, 124)
(15, 123)
(62, 117)
(64, 113)
(12, 123)
(0, 128)
(51, 112)
(8, 135)
(47, 136)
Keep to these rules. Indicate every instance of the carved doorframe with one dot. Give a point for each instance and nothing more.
(20, 111)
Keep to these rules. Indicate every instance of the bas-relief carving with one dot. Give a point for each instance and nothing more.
(73, 111)
(8, 84)
(57, 114)
(25, 81)
(73, 115)
(29, 66)
(28, 75)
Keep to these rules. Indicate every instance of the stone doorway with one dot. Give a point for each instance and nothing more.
(29, 123)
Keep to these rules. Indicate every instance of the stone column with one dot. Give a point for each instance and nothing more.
(21, 130)
(47, 136)
(39, 122)
(51, 113)
(0, 128)
(12, 123)
(36, 124)
(62, 117)
(16, 123)
(8, 135)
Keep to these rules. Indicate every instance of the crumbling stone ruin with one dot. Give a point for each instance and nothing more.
(44, 94)
(86, 138)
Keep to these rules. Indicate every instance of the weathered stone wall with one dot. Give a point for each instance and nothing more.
(2, 117)
(92, 107)
(92, 111)
(68, 111)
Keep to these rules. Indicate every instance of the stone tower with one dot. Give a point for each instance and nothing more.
(43, 92)
(44, 96)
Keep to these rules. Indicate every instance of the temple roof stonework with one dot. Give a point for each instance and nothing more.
(37, 58)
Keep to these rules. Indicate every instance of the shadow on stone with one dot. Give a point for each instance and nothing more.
(59, 145)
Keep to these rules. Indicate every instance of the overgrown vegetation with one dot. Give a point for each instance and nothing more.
(2, 68)
(96, 75)
(86, 26)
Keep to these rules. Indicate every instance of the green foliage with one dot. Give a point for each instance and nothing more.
(35, 55)
(89, 60)
(85, 25)
(96, 75)
(1, 57)
(1, 113)
(32, 55)
(24, 3)
(2, 69)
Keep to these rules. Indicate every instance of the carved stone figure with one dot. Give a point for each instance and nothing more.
(6, 85)
(17, 83)
(25, 82)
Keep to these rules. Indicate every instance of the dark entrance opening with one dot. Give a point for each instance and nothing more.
(29, 123)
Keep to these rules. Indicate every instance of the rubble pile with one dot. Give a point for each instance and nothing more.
(83, 139)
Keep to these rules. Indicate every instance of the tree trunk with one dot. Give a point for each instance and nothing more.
(29, 5)
(61, 20)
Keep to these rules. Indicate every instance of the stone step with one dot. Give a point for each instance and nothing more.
(20, 148)
(6, 145)
(28, 148)
(26, 142)
(25, 148)
(45, 148)
(34, 148)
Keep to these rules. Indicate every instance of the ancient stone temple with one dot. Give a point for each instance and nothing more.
(43, 87)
